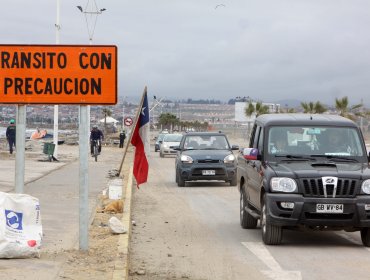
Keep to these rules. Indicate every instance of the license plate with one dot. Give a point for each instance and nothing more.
(329, 208)
(208, 172)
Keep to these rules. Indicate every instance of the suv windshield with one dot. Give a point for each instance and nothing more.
(206, 142)
(314, 141)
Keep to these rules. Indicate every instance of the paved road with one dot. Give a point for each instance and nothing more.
(205, 217)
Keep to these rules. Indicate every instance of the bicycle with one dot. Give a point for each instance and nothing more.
(95, 144)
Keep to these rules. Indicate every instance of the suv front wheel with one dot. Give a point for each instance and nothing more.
(365, 236)
(246, 219)
(271, 234)
(179, 180)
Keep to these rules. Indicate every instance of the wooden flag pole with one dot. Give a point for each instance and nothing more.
(132, 131)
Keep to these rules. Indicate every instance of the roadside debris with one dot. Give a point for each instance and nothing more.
(113, 173)
(21, 229)
(116, 226)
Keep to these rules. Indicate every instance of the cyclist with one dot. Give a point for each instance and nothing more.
(96, 135)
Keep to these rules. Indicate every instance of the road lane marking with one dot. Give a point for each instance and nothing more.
(275, 271)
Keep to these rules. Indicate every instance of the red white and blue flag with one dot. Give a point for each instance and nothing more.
(140, 139)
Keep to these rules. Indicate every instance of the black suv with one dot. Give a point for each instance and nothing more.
(205, 156)
(307, 171)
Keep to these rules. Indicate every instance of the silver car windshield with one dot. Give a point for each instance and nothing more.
(172, 138)
(334, 141)
(206, 142)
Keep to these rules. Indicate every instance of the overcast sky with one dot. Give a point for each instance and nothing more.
(310, 50)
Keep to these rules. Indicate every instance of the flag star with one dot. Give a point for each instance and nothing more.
(143, 111)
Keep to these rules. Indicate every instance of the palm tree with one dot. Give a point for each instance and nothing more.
(287, 110)
(342, 106)
(168, 120)
(313, 108)
(258, 109)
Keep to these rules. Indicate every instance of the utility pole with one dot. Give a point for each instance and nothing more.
(56, 107)
(91, 13)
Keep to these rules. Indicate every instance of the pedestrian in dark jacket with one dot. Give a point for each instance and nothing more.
(122, 137)
(10, 135)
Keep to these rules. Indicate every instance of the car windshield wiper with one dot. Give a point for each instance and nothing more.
(336, 158)
(295, 157)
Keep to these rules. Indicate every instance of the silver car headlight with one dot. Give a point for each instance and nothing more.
(365, 187)
(283, 184)
(186, 159)
(229, 159)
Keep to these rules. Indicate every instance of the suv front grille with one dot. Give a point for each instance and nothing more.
(314, 188)
(208, 161)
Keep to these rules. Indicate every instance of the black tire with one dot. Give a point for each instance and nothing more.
(177, 176)
(365, 236)
(180, 181)
(234, 181)
(271, 234)
(246, 220)
(161, 155)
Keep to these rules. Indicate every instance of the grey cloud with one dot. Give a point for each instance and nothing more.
(272, 49)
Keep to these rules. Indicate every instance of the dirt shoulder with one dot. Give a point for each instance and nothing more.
(100, 260)
(64, 261)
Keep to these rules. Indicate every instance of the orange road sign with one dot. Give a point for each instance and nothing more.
(58, 74)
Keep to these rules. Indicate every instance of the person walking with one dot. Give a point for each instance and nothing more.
(10, 135)
(122, 137)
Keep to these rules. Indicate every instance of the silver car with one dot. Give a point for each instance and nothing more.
(169, 142)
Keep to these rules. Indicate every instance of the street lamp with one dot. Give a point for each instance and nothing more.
(91, 12)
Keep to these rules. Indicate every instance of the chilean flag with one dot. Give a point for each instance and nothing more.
(140, 139)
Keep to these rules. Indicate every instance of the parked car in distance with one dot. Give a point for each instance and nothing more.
(158, 142)
(205, 156)
(169, 142)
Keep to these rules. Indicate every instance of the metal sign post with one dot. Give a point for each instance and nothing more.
(20, 143)
(84, 178)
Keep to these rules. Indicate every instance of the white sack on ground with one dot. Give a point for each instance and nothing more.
(20, 226)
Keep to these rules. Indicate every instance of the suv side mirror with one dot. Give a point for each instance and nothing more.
(160, 141)
(234, 147)
(250, 153)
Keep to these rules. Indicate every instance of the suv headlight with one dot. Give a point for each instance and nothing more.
(186, 159)
(365, 187)
(283, 184)
(229, 159)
